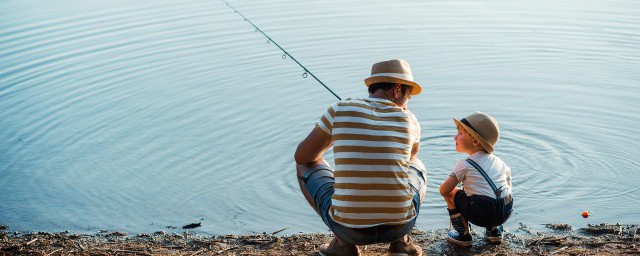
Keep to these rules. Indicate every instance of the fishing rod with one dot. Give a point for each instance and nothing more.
(285, 54)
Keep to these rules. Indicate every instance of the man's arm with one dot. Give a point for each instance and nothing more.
(313, 147)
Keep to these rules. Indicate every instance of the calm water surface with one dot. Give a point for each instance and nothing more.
(135, 116)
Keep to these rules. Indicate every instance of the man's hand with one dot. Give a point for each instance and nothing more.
(313, 147)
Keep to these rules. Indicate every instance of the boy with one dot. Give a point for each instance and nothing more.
(485, 199)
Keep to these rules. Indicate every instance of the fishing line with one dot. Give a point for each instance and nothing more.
(285, 54)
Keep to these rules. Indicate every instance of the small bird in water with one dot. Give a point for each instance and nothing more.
(192, 225)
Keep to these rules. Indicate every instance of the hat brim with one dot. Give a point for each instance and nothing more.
(486, 145)
(388, 79)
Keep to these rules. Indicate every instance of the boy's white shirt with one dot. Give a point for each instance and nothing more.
(475, 184)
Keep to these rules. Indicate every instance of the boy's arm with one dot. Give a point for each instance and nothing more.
(448, 185)
(414, 150)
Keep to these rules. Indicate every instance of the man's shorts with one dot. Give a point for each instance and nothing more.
(483, 211)
(319, 182)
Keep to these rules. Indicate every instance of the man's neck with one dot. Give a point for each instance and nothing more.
(379, 94)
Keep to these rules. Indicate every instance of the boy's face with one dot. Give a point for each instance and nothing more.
(464, 141)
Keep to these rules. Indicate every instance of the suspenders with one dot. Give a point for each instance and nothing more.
(496, 190)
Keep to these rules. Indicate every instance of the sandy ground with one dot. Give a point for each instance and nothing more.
(556, 239)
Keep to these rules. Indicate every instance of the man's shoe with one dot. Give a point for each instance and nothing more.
(457, 238)
(402, 248)
(494, 235)
(336, 248)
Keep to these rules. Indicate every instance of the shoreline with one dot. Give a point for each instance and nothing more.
(560, 239)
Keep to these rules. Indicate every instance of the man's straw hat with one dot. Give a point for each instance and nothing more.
(482, 127)
(393, 71)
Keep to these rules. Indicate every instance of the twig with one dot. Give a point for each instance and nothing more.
(81, 246)
(278, 231)
(608, 242)
(198, 252)
(32, 241)
(172, 247)
(535, 241)
(53, 252)
(548, 241)
(258, 241)
(559, 250)
(228, 249)
(127, 251)
(135, 252)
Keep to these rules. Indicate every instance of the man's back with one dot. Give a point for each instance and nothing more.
(372, 140)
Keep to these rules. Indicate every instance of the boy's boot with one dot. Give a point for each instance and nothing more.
(461, 234)
(338, 247)
(404, 247)
(494, 235)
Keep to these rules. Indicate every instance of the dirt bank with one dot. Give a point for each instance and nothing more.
(556, 239)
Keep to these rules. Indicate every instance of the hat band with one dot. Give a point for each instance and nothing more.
(465, 122)
(396, 75)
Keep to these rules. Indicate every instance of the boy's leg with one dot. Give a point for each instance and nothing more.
(461, 234)
(494, 235)
(422, 188)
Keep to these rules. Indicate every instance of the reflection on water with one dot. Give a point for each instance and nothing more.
(137, 116)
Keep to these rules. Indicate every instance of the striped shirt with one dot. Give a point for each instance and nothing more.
(372, 141)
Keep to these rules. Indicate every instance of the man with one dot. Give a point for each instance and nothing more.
(375, 192)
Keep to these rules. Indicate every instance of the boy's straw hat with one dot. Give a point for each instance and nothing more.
(393, 71)
(482, 127)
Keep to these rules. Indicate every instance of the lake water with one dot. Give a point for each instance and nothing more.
(138, 115)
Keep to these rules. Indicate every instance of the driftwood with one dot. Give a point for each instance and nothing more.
(125, 251)
(605, 228)
(198, 252)
(228, 249)
(32, 241)
(192, 225)
(53, 252)
(558, 226)
(548, 241)
(280, 230)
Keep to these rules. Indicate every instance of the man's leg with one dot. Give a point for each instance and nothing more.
(301, 169)
(337, 245)
(418, 180)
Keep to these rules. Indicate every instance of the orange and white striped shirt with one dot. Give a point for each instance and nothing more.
(372, 142)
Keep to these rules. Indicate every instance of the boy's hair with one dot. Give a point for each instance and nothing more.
(385, 86)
